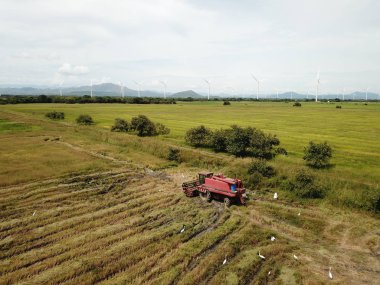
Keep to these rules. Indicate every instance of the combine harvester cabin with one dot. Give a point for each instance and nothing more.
(219, 187)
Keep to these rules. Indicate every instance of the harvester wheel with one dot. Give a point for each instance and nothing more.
(208, 196)
(227, 202)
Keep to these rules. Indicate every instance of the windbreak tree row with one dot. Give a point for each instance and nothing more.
(86, 99)
(236, 140)
(141, 125)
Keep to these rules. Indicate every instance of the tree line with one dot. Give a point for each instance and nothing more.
(86, 99)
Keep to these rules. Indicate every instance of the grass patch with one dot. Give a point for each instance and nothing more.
(7, 126)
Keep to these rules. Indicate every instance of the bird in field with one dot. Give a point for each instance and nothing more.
(183, 176)
(272, 238)
(330, 273)
(295, 257)
(261, 256)
(34, 213)
(275, 196)
(183, 229)
(225, 259)
(269, 273)
(299, 213)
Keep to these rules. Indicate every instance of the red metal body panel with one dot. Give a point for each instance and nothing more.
(203, 188)
(217, 184)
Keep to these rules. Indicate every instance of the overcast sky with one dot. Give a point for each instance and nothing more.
(283, 43)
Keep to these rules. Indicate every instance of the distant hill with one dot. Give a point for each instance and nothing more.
(104, 89)
(186, 94)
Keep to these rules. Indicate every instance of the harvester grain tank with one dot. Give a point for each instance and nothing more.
(218, 187)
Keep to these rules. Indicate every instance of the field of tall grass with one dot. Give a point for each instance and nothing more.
(353, 132)
(81, 204)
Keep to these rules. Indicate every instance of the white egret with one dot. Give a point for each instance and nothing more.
(34, 213)
(225, 259)
(261, 256)
(183, 229)
(275, 196)
(272, 238)
(295, 257)
(330, 273)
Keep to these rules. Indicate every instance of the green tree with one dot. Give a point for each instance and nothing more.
(219, 140)
(198, 136)
(238, 140)
(318, 155)
(143, 126)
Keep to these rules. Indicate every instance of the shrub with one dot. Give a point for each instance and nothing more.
(260, 166)
(263, 145)
(254, 180)
(238, 140)
(55, 115)
(318, 155)
(198, 136)
(304, 186)
(162, 129)
(338, 106)
(174, 155)
(297, 104)
(282, 151)
(225, 103)
(84, 120)
(219, 140)
(120, 125)
(143, 126)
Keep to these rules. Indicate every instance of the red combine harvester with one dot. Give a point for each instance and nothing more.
(210, 186)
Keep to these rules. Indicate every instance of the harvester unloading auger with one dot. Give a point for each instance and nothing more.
(218, 187)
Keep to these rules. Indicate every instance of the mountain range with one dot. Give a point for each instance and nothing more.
(111, 89)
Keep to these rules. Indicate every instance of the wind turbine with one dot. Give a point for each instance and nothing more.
(121, 89)
(366, 94)
(91, 88)
(343, 91)
(138, 87)
(209, 88)
(165, 86)
(60, 88)
(258, 86)
(317, 89)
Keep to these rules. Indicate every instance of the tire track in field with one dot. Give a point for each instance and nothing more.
(46, 221)
(58, 233)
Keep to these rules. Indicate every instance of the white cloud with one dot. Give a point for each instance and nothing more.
(68, 69)
(182, 41)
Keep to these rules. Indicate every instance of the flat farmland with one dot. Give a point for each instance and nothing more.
(81, 205)
(353, 131)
